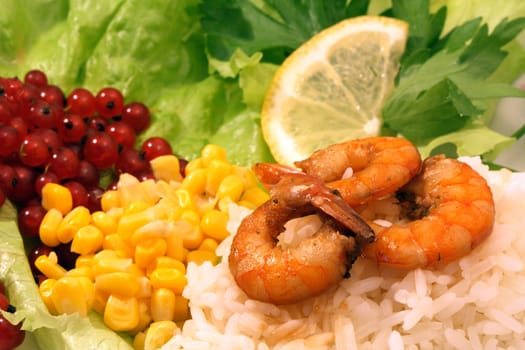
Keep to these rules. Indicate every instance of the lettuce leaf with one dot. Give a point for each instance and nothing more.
(50, 332)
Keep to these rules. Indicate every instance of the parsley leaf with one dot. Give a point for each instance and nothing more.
(274, 27)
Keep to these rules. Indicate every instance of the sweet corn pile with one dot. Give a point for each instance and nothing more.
(134, 253)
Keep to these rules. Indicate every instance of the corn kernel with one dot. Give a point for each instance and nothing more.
(72, 222)
(211, 152)
(224, 204)
(121, 313)
(166, 168)
(158, 334)
(182, 311)
(247, 176)
(115, 242)
(87, 240)
(193, 165)
(255, 195)
(100, 300)
(162, 304)
(195, 182)
(84, 261)
(73, 294)
(217, 171)
(154, 229)
(49, 267)
(105, 222)
(190, 216)
(209, 244)
(49, 227)
(147, 250)
(110, 199)
(168, 278)
(120, 283)
(84, 271)
(200, 256)
(103, 265)
(213, 224)
(144, 316)
(139, 341)
(192, 238)
(232, 186)
(145, 287)
(58, 197)
(129, 223)
(46, 289)
(175, 246)
(167, 262)
(185, 199)
(136, 207)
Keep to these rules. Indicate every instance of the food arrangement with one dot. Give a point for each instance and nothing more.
(155, 229)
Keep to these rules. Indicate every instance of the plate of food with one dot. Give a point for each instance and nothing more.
(262, 175)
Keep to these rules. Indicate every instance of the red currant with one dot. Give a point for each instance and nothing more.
(36, 77)
(122, 133)
(53, 95)
(43, 179)
(87, 174)
(130, 161)
(109, 102)
(155, 147)
(78, 192)
(82, 102)
(137, 115)
(22, 183)
(10, 140)
(34, 151)
(50, 138)
(29, 219)
(64, 163)
(72, 128)
(101, 150)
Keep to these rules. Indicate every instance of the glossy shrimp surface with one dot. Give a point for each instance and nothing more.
(448, 209)
(283, 275)
(379, 166)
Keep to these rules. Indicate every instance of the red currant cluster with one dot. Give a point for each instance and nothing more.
(47, 136)
(11, 335)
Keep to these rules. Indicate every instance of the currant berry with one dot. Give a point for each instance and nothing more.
(97, 124)
(22, 184)
(155, 147)
(5, 110)
(78, 193)
(43, 179)
(29, 219)
(50, 138)
(109, 102)
(122, 133)
(130, 161)
(88, 175)
(53, 95)
(36, 78)
(34, 151)
(101, 150)
(64, 163)
(72, 128)
(137, 115)
(10, 140)
(94, 196)
(82, 102)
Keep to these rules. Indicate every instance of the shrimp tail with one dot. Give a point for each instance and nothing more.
(270, 174)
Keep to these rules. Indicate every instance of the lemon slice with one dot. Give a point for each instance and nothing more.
(332, 88)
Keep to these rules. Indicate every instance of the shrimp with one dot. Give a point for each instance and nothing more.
(448, 210)
(270, 273)
(379, 165)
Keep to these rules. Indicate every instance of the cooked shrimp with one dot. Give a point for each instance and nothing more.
(448, 209)
(271, 273)
(379, 166)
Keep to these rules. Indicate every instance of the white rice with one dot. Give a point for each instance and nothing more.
(476, 303)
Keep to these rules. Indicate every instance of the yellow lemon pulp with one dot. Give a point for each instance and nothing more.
(333, 87)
